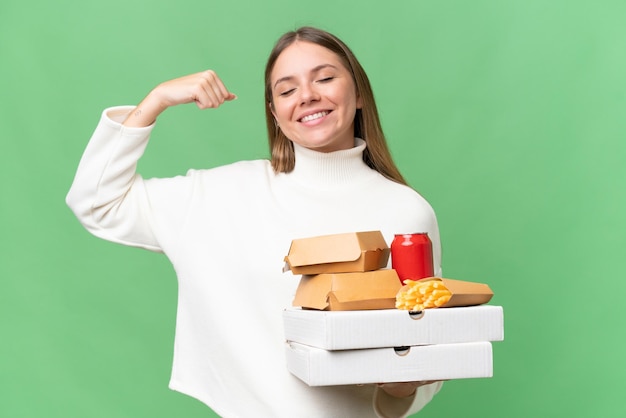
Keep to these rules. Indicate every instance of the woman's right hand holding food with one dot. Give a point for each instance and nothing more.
(205, 89)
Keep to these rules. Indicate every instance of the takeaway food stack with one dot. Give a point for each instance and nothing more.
(344, 327)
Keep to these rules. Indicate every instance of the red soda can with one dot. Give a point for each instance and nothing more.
(412, 256)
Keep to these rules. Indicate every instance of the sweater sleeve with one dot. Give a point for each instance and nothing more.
(107, 195)
(386, 406)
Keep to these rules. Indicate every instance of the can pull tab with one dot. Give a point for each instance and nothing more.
(415, 315)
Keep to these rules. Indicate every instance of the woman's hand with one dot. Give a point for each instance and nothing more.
(205, 89)
(403, 389)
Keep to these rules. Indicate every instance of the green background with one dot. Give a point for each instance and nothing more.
(507, 115)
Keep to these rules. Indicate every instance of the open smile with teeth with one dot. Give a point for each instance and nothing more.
(314, 116)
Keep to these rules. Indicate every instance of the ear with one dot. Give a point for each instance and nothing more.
(270, 105)
(359, 102)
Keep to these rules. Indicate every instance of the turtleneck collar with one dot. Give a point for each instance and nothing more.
(331, 169)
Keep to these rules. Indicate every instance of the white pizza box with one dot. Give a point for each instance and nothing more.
(319, 367)
(344, 330)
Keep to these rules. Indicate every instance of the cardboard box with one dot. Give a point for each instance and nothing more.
(318, 367)
(392, 327)
(466, 293)
(348, 291)
(338, 253)
(463, 293)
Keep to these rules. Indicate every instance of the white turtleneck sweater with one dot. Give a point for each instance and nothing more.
(226, 231)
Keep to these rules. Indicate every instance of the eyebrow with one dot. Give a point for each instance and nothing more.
(314, 70)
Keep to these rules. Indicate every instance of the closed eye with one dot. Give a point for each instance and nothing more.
(287, 92)
(326, 79)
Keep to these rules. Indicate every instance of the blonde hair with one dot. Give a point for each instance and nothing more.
(366, 121)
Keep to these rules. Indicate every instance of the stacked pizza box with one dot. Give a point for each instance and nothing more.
(344, 328)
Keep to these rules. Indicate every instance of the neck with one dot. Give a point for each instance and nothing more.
(330, 169)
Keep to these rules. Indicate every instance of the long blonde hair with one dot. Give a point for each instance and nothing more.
(366, 121)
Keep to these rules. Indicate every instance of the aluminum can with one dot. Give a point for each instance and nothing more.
(412, 256)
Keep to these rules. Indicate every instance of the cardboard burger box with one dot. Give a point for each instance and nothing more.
(343, 272)
(338, 253)
(348, 291)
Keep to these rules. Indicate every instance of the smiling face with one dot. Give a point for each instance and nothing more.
(314, 97)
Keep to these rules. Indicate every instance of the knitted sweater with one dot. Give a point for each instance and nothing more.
(226, 231)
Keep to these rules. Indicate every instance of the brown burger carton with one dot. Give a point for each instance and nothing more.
(348, 291)
(338, 253)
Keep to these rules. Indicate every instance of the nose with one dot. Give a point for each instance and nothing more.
(308, 93)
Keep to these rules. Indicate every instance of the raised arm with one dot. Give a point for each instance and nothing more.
(205, 89)
(108, 197)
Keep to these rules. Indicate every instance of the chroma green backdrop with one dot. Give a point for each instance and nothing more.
(507, 115)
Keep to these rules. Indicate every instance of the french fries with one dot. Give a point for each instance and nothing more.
(418, 295)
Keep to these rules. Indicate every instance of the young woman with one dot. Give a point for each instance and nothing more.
(226, 230)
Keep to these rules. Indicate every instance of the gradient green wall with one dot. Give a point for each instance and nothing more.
(508, 115)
